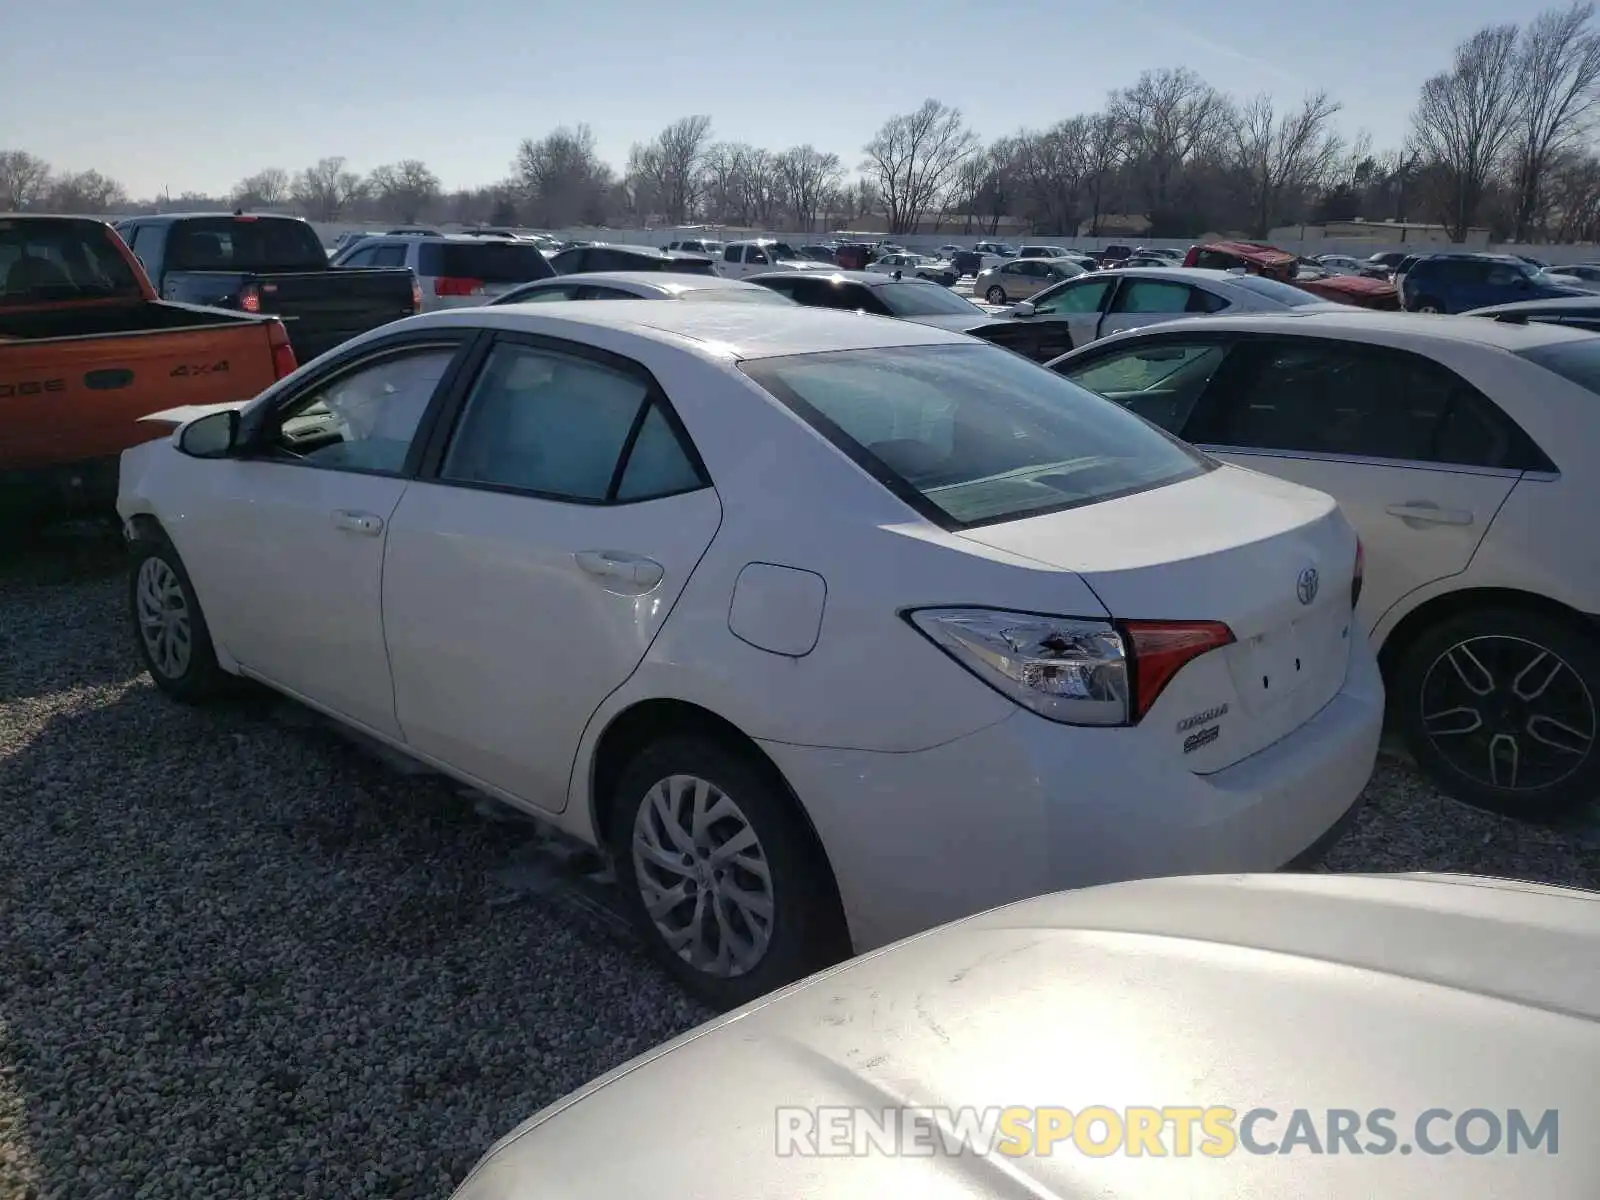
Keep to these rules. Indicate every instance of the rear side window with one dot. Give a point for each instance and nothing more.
(489, 261)
(1271, 289)
(243, 244)
(44, 261)
(1161, 381)
(974, 434)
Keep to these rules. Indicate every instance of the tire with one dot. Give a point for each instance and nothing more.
(168, 625)
(804, 932)
(1479, 746)
(1429, 305)
(995, 295)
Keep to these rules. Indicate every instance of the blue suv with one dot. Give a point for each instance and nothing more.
(1453, 283)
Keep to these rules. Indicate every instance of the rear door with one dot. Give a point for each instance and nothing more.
(1064, 318)
(528, 572)
(1419, 460)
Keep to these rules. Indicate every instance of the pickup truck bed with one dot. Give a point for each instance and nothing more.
(273, 265)
(86, 351)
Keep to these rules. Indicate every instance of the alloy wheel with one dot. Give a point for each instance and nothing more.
(1508, 713)
(703, 876)
(995, 295)
(164, 620)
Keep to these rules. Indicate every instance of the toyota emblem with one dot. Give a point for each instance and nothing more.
(1306, 586)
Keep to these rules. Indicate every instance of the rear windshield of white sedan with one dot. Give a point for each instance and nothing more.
(975, 435)
(1283, 293)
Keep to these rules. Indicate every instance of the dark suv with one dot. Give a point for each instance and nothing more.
(1454, 283)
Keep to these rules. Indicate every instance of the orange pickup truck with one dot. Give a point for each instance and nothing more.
(86, 349)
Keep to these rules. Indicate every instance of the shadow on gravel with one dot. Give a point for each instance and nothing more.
(244, 959)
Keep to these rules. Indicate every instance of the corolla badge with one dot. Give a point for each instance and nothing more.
(1306, 586)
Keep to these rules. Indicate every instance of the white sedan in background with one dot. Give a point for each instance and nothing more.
(826, 627)
(916, 266)
(1464, 451)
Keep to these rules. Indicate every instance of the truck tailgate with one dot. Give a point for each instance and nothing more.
(71, 399)
(325, 308)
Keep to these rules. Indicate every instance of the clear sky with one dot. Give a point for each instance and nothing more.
(196, 94)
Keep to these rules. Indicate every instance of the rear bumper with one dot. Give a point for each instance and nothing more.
(1026, 807)
(59, 490)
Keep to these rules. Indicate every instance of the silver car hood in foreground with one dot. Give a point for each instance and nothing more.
(1285, 992)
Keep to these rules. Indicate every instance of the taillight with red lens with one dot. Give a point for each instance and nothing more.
(451, 286)
(1360, 575)
(1160, 649)
(250, 298)
(283, 360)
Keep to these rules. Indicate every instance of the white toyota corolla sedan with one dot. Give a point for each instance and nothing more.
(826, 628)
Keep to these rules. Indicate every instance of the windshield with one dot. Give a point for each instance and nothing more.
(244, 244)
(973, 435)
(1576, 362)
(925, 300)
(45, 261)
(783, 250)
(1283, 293)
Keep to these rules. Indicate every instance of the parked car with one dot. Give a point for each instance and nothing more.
(1386, 262)
(1022, 277)
(1081, 310)
(1141, 259)
(598, 256)
(1046, 252)
(996, 249)
(1459, 450)
(1254, 258)
(822, 252)
(710, 247)
(1454, 283)
(918, 300)
(1126, 1002)
(1580, 275)
(757, 603)
(917, 266)
(640, 285)
(1579, 312)
(1342, 264)
(1173, 257)
(87, 349)
(268, 264)
(452, 271)
(740, 259)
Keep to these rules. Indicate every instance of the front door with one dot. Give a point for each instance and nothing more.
(1064, 318)
(525, 580)
(1419, 460)
(1141, 302)
(286, 545)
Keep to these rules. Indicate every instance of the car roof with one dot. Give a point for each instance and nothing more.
(1414, 991)
(873, 279)
(1553, 304)
(715, 331)
(1348, 321)
(657, 280)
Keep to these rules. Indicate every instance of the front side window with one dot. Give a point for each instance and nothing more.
(972, 435)
(366, 418)
(1085, 297)
(1153, 296)
(544, 422)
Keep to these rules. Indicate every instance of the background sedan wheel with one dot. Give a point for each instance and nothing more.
(1427, 305)
(995, 295)
(1499, 706)
(170, 628)
(723, 877)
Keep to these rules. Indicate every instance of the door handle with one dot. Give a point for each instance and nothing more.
(365, 523)
(613, 564)
(1427, 512)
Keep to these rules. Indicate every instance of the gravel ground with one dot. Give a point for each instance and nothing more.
(242, 957)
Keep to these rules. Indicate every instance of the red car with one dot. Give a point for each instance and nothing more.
(1272, 263)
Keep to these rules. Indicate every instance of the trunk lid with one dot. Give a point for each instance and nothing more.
(323, 309)
(1231, 546)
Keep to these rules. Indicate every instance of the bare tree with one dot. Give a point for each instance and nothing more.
(264, 189)
(562, 179)
(326, 189)
(405, 189)
(1051, 167)
(668, 168)
(722, 188)
(1284, 157)
(1558, 69)
(24, 180)
(914, 158)
(1104, 151)
(1169, 118)
(87, 192)
(1464, 119)
(806, 175)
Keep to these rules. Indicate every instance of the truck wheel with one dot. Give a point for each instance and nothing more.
(169, 626)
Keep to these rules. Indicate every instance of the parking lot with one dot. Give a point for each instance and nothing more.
(243, 956)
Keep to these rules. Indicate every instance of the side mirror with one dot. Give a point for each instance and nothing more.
(211, 436)
(1024, 309)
